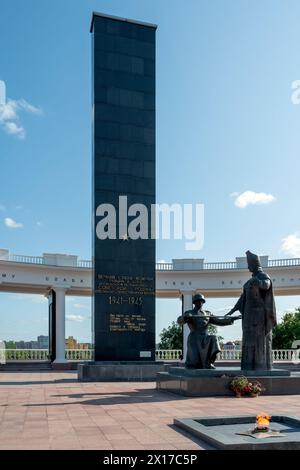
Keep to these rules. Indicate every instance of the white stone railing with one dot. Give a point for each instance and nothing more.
(279, 355)
(84, 263)
(229, 355)
(26, 259)
(26, 354)
(12, 355)
(283, 355)
(221, 265)
(43, 354)
(79, 354)
(168, 354)
(278, 263)
(227, 265)
(164, 266)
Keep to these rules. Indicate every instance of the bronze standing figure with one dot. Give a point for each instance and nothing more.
(257, 307)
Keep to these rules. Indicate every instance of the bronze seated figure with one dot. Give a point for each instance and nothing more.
(202, 348)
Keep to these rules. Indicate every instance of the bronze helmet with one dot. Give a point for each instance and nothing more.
(199, 297)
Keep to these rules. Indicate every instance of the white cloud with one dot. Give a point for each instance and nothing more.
(80, 306)
(246, 198)
(23, 104)
(8, 111)
(35, 298)
(9, 115)
(10, 223)
(2, 208)
(76, 318)
(39, 224)
(14, 129)
(291, 245)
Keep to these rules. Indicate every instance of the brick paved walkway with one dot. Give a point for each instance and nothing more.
(51, 410)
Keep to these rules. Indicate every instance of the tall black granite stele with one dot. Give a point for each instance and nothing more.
(123, 165)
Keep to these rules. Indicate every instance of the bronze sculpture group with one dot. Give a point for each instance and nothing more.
(202, 348)
(257, 308)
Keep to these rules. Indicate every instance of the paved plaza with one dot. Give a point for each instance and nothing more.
(52, 410)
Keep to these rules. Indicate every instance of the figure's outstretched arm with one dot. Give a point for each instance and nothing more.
(238, 306)
(221, 321)
(184, 318)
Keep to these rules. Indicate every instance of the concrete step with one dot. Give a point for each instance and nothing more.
(25, 366)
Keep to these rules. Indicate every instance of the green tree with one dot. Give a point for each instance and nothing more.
(10, 344)
(171, 337)
(287, 331)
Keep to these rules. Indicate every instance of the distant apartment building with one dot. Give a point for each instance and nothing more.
(84, 346)
(72, 343)
(26, 345)
(43, 342)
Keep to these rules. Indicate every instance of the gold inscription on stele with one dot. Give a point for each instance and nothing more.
(127, 322)
(129, 285)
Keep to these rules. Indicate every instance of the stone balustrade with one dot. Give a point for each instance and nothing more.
(12, 355)
(54, 259)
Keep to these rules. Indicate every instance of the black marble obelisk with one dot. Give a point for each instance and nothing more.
(123, 165)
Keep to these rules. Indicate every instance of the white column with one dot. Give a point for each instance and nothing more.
(187, 305)
(60, 324)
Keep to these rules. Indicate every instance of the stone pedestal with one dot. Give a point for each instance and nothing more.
(208, 382)
(114, 371)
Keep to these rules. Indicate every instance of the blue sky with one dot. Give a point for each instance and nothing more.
(225, 124)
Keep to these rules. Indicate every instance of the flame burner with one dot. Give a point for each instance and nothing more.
(262, 423)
